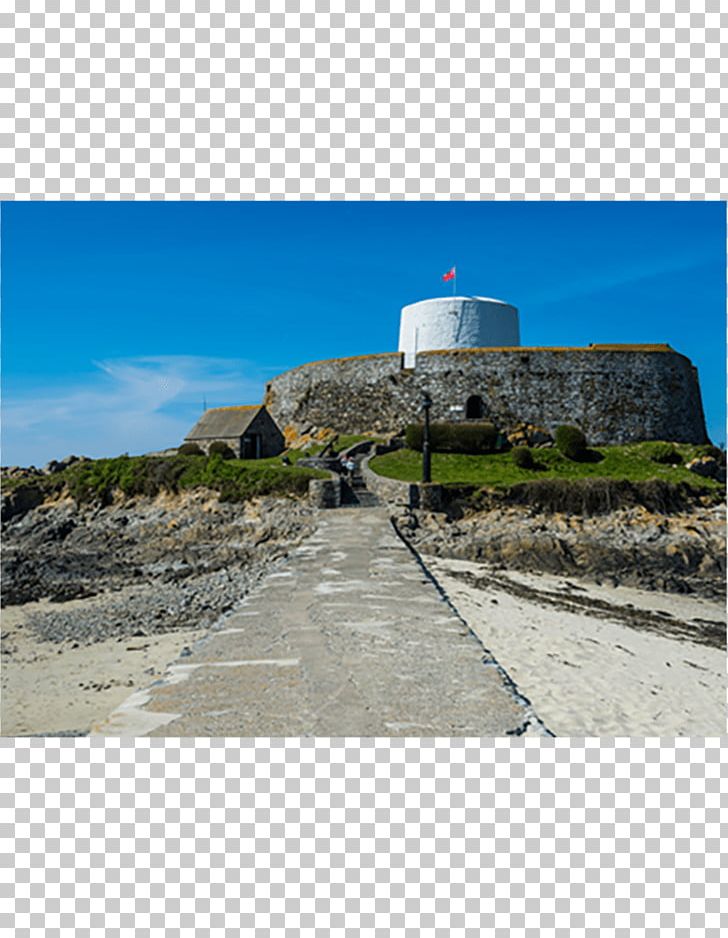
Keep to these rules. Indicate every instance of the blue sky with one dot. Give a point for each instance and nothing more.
(118, 318)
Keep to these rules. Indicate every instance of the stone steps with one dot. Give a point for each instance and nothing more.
(355, 494)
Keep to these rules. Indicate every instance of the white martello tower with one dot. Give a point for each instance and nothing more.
(450, 322)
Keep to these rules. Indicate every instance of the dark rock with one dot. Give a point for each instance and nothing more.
(140, 573)
(20, 501)
(707, 466)
(682, 552)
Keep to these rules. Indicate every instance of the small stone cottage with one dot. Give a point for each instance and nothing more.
(250, 432)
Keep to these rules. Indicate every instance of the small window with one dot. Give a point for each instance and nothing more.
(474, 408)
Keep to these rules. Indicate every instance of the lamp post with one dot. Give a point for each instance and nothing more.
(426, 456)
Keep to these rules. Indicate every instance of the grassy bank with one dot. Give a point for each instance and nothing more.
(233, 479)
(498, 470)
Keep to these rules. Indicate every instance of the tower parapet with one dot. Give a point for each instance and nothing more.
(452, 322)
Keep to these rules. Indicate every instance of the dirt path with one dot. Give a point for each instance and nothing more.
(349, 637)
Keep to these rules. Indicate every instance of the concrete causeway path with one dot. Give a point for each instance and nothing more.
(347, 637)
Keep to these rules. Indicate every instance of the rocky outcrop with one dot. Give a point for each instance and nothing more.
(145, 565)
(21, 500)
(55, 465)
(634, 547)
(525, 434)
(707, 466)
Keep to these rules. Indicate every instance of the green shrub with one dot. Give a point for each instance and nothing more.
(522, 457)
(189, 449)
(571, 443)
(96, 481)
(413, 436)
(664, 453)
(142, 475)
(470, 438)
(218, 448)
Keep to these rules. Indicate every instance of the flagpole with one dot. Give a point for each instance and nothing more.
(454, 280)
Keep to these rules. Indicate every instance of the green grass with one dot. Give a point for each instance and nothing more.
(498, 470)
(233, 479)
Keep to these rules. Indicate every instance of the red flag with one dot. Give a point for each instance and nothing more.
(450, 275)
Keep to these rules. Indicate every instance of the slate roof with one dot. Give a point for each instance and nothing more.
(224, 422)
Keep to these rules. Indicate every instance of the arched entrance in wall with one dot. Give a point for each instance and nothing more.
(474, 408)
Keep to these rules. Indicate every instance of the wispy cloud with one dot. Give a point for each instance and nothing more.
(603, 280)
(126, 405)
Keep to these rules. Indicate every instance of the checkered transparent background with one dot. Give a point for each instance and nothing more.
(376, 837)
(475, 99)
(301, 99)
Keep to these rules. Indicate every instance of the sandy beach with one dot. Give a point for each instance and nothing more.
(593, 660)
(598, 660)
(54, 688)
(96, 603)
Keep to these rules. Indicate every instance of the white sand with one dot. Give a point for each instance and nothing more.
(51, 688)
(589, 676)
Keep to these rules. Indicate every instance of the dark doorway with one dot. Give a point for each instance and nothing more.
(251, 446)
(474, 408)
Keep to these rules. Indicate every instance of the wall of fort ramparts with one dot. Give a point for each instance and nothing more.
(615, 393)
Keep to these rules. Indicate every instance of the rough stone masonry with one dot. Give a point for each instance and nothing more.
(614, 393)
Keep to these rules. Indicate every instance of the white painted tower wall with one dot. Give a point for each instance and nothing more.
(456, 322)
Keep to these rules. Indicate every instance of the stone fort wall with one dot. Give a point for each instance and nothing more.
(615, 393)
